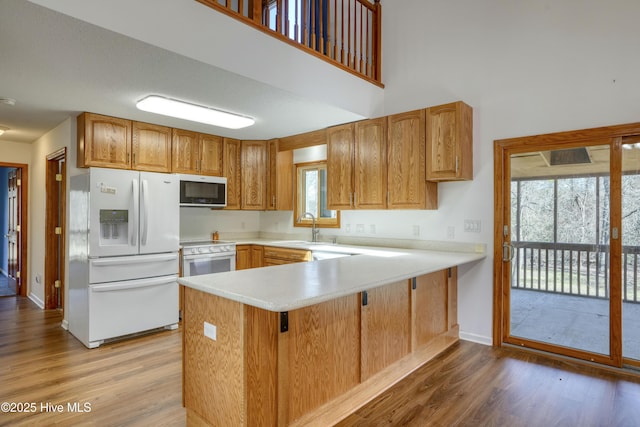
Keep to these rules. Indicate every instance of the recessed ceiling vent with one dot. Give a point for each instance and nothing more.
(573, 156)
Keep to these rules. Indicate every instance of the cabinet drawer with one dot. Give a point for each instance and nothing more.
(286, 254)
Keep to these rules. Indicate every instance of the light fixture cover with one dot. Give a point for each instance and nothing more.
(196, 113)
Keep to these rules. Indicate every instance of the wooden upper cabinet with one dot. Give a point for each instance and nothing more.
(340, 146)
(407, 185)
(231, 149)
(370, 164)
(253, 172)
(185, 151)
(151, 148)
(196, 153)
(450, 142)
(103, 141)
(210, 155)
(280, 178)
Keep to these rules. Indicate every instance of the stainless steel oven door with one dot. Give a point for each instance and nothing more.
(195, 265)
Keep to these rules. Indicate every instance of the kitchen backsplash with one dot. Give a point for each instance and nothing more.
(199, 223)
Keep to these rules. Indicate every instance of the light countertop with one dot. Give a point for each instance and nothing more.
(293, 286)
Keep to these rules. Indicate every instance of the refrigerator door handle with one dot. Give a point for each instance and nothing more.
(133, 227)
(144, 283)
(144, 214)
(111, 261)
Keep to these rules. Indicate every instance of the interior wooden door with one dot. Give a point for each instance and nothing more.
(13, 257)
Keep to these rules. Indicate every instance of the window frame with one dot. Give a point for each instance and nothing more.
(297, 208)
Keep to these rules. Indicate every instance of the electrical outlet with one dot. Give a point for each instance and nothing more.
(472, 226)
(359, 228)
(347, 228)
(210, 331)
(372, 229)
(451, 232)
(416, 230)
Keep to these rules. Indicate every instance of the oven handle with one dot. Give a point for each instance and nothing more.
(209, 256)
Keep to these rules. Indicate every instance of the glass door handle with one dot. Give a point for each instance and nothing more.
(508, 252)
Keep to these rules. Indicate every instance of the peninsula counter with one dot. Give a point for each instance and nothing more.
(309, 343)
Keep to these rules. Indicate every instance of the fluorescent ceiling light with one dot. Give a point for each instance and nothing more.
(196, 113)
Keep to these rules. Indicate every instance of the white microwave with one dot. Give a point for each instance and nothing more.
(203, 191)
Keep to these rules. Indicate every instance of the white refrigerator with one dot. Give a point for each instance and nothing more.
(123, 254)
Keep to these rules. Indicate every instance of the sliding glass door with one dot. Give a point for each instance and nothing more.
(568, 244)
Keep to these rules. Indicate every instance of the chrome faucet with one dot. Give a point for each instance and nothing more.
(314, 229)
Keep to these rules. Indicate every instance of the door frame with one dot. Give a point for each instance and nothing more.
(24, 211)
(502, 150)
(55, 200)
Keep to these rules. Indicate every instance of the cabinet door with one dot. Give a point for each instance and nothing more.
(370, 166)
(280, 178)
(257, 256)
(272, 174)
(231, 168)
(151, 147)
(408, 188)
(185, 151)
(104, 141)
(340, 149)
(253, 172)
(210, 155)
(243, 257)
(450, 142)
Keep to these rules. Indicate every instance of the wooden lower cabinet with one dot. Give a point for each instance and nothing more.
(258, 372)
(243, 257)
(278, 256)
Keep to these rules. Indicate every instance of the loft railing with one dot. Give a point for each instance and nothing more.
(346, 33)
(573, 269)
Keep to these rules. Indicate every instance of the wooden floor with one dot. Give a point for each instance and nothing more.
(138, 383)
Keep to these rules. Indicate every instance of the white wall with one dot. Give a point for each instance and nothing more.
(62, 136)
(526, 68)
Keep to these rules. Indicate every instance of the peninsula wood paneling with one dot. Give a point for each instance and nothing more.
(214, 383)
(261, 364)
(386, 331)
(324, 353)
(429, 307)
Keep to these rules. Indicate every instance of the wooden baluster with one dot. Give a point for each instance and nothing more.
(342, 38)
(335, 30)
(349, 56)
(305, 30)
(361, 38)
(241, 7)
(312, 17)
(279, 16)
(367, 48)
(377, 42)
(286, 18)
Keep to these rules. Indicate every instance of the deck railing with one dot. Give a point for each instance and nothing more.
(346, 33)
(573, 269)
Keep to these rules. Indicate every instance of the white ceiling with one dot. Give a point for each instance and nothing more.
(56, 66)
